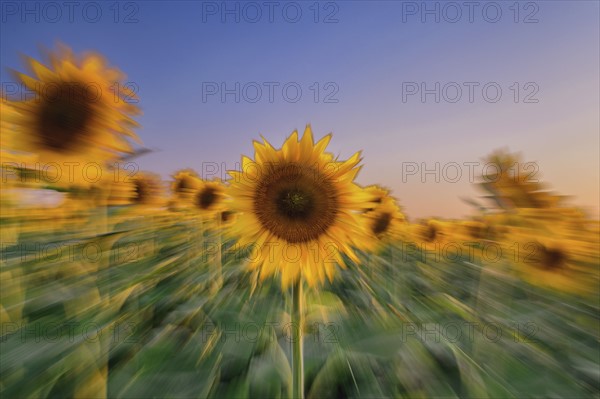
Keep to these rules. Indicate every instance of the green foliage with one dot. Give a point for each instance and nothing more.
(394, 326)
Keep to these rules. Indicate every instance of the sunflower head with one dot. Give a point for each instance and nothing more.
(548, 256)
(209, 198)
(376, 194)
(185, 183)
(146, 189)
(429, 231)
(299, 208)
(119, 191)
(75, 114)
(385, 222)
(227, 218)
(477, 230)
(553, 262)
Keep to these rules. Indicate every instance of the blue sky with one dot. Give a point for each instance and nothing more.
(174, 51)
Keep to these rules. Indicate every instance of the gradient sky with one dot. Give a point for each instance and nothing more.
(368, 53)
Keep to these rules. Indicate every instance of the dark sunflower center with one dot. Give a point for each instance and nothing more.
(142, 192)
(66, 110)
(382, 223)
(552, 259)
(431, 233)
(476, 232)
(297, 204)
(226, 215)
(183, 184)
(207, 197)
(376, 200)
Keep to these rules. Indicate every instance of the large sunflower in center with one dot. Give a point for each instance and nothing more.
(299, 209)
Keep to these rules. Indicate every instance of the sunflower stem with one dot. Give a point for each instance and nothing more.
(297, 361)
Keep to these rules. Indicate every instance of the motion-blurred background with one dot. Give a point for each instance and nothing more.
(118, 278)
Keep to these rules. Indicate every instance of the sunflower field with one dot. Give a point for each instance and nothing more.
(288, 279)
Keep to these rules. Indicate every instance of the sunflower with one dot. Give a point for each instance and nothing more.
(376, 195)
(514, 189)
(121, 191)
(185, 183)
(477, 231)
(227, 218)
(385, 221)
(209, 199)
(555, 263)
(147, 189)
(429, 232)
(76, 116)
(300, 209)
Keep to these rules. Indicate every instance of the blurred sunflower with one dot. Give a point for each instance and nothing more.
(299, 207)
(477, 230)
(76, 115)
(120, 191)
(499, 223)
(513, 186)
(185, 183)
(557, 264)
(147, 189)
(429, 232)
(385, 221)
(227, 218)
(209, 198)
(376, 195)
